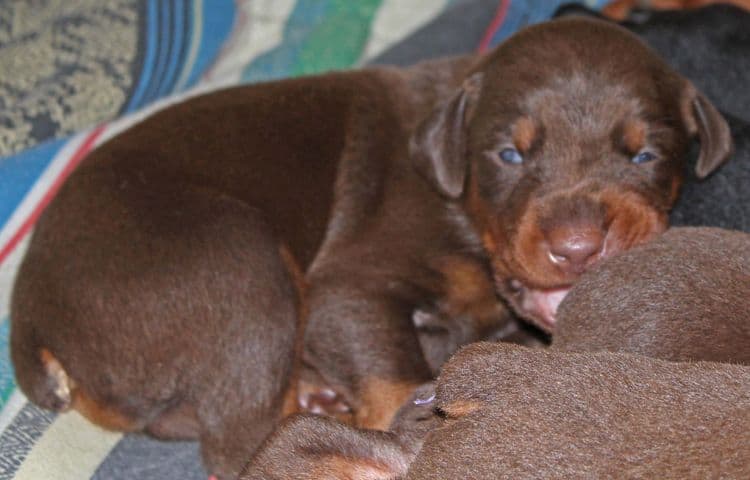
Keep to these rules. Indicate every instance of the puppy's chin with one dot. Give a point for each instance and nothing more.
(537, 305)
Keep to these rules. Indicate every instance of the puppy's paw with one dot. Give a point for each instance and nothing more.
(322, 401)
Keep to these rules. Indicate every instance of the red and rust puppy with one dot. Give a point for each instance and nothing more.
(162, 289)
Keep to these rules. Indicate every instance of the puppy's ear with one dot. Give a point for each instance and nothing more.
(702, 119)
(438, 146)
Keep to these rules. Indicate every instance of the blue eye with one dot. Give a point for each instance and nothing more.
(643, 157)
(511, 155)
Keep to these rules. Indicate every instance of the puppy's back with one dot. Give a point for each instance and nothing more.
(513, 412)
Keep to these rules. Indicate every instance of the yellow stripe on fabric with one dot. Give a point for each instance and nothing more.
(195, 42)
(72, 448)
(395, 19)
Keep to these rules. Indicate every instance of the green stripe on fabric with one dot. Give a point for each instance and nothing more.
(340, 39)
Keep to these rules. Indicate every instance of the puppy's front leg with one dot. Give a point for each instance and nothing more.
(361, 341)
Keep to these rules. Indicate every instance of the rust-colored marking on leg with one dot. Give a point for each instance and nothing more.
(379, 401)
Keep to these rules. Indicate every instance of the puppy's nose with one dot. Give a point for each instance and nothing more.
(573, 249)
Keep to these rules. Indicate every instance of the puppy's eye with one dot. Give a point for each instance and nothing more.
(511, 155)
(643, 157)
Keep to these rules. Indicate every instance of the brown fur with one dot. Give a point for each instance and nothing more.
(504, 411)
(155, 277)
(545, 414)
(683, 297)
(314, 447)
(468, 312)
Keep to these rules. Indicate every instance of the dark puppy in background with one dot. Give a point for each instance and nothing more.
(723, 199)
(710, 46)
(175, 306)
(622, 9)
(683, 297)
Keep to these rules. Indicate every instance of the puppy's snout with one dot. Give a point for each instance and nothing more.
(573, 249)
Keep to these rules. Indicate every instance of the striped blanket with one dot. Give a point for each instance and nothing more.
(76, 72)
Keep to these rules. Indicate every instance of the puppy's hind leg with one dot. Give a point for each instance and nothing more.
(258, 301)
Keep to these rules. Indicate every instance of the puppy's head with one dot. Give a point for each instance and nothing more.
(566, 145)
(313, 447)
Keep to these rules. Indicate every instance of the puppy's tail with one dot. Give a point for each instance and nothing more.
(39, 373)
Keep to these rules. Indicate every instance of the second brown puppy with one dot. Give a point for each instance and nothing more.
(512, 412)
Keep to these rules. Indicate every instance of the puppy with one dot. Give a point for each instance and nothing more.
(511, 412)
(496, 404)
(162, 290)
(682, 297)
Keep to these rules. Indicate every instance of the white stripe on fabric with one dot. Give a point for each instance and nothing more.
(8, 269)
(259, 28)
(395, 19)
(14, 405)
(72, 448)
(195, 43)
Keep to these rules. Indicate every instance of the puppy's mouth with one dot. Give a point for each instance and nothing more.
(538, 305)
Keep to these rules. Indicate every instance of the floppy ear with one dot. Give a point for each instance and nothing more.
(702, 118)
(438, 146)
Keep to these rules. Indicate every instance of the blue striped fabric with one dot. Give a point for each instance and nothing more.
(19, 172)
(168, 31)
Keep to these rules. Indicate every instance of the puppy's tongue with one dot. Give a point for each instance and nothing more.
(542, 305)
